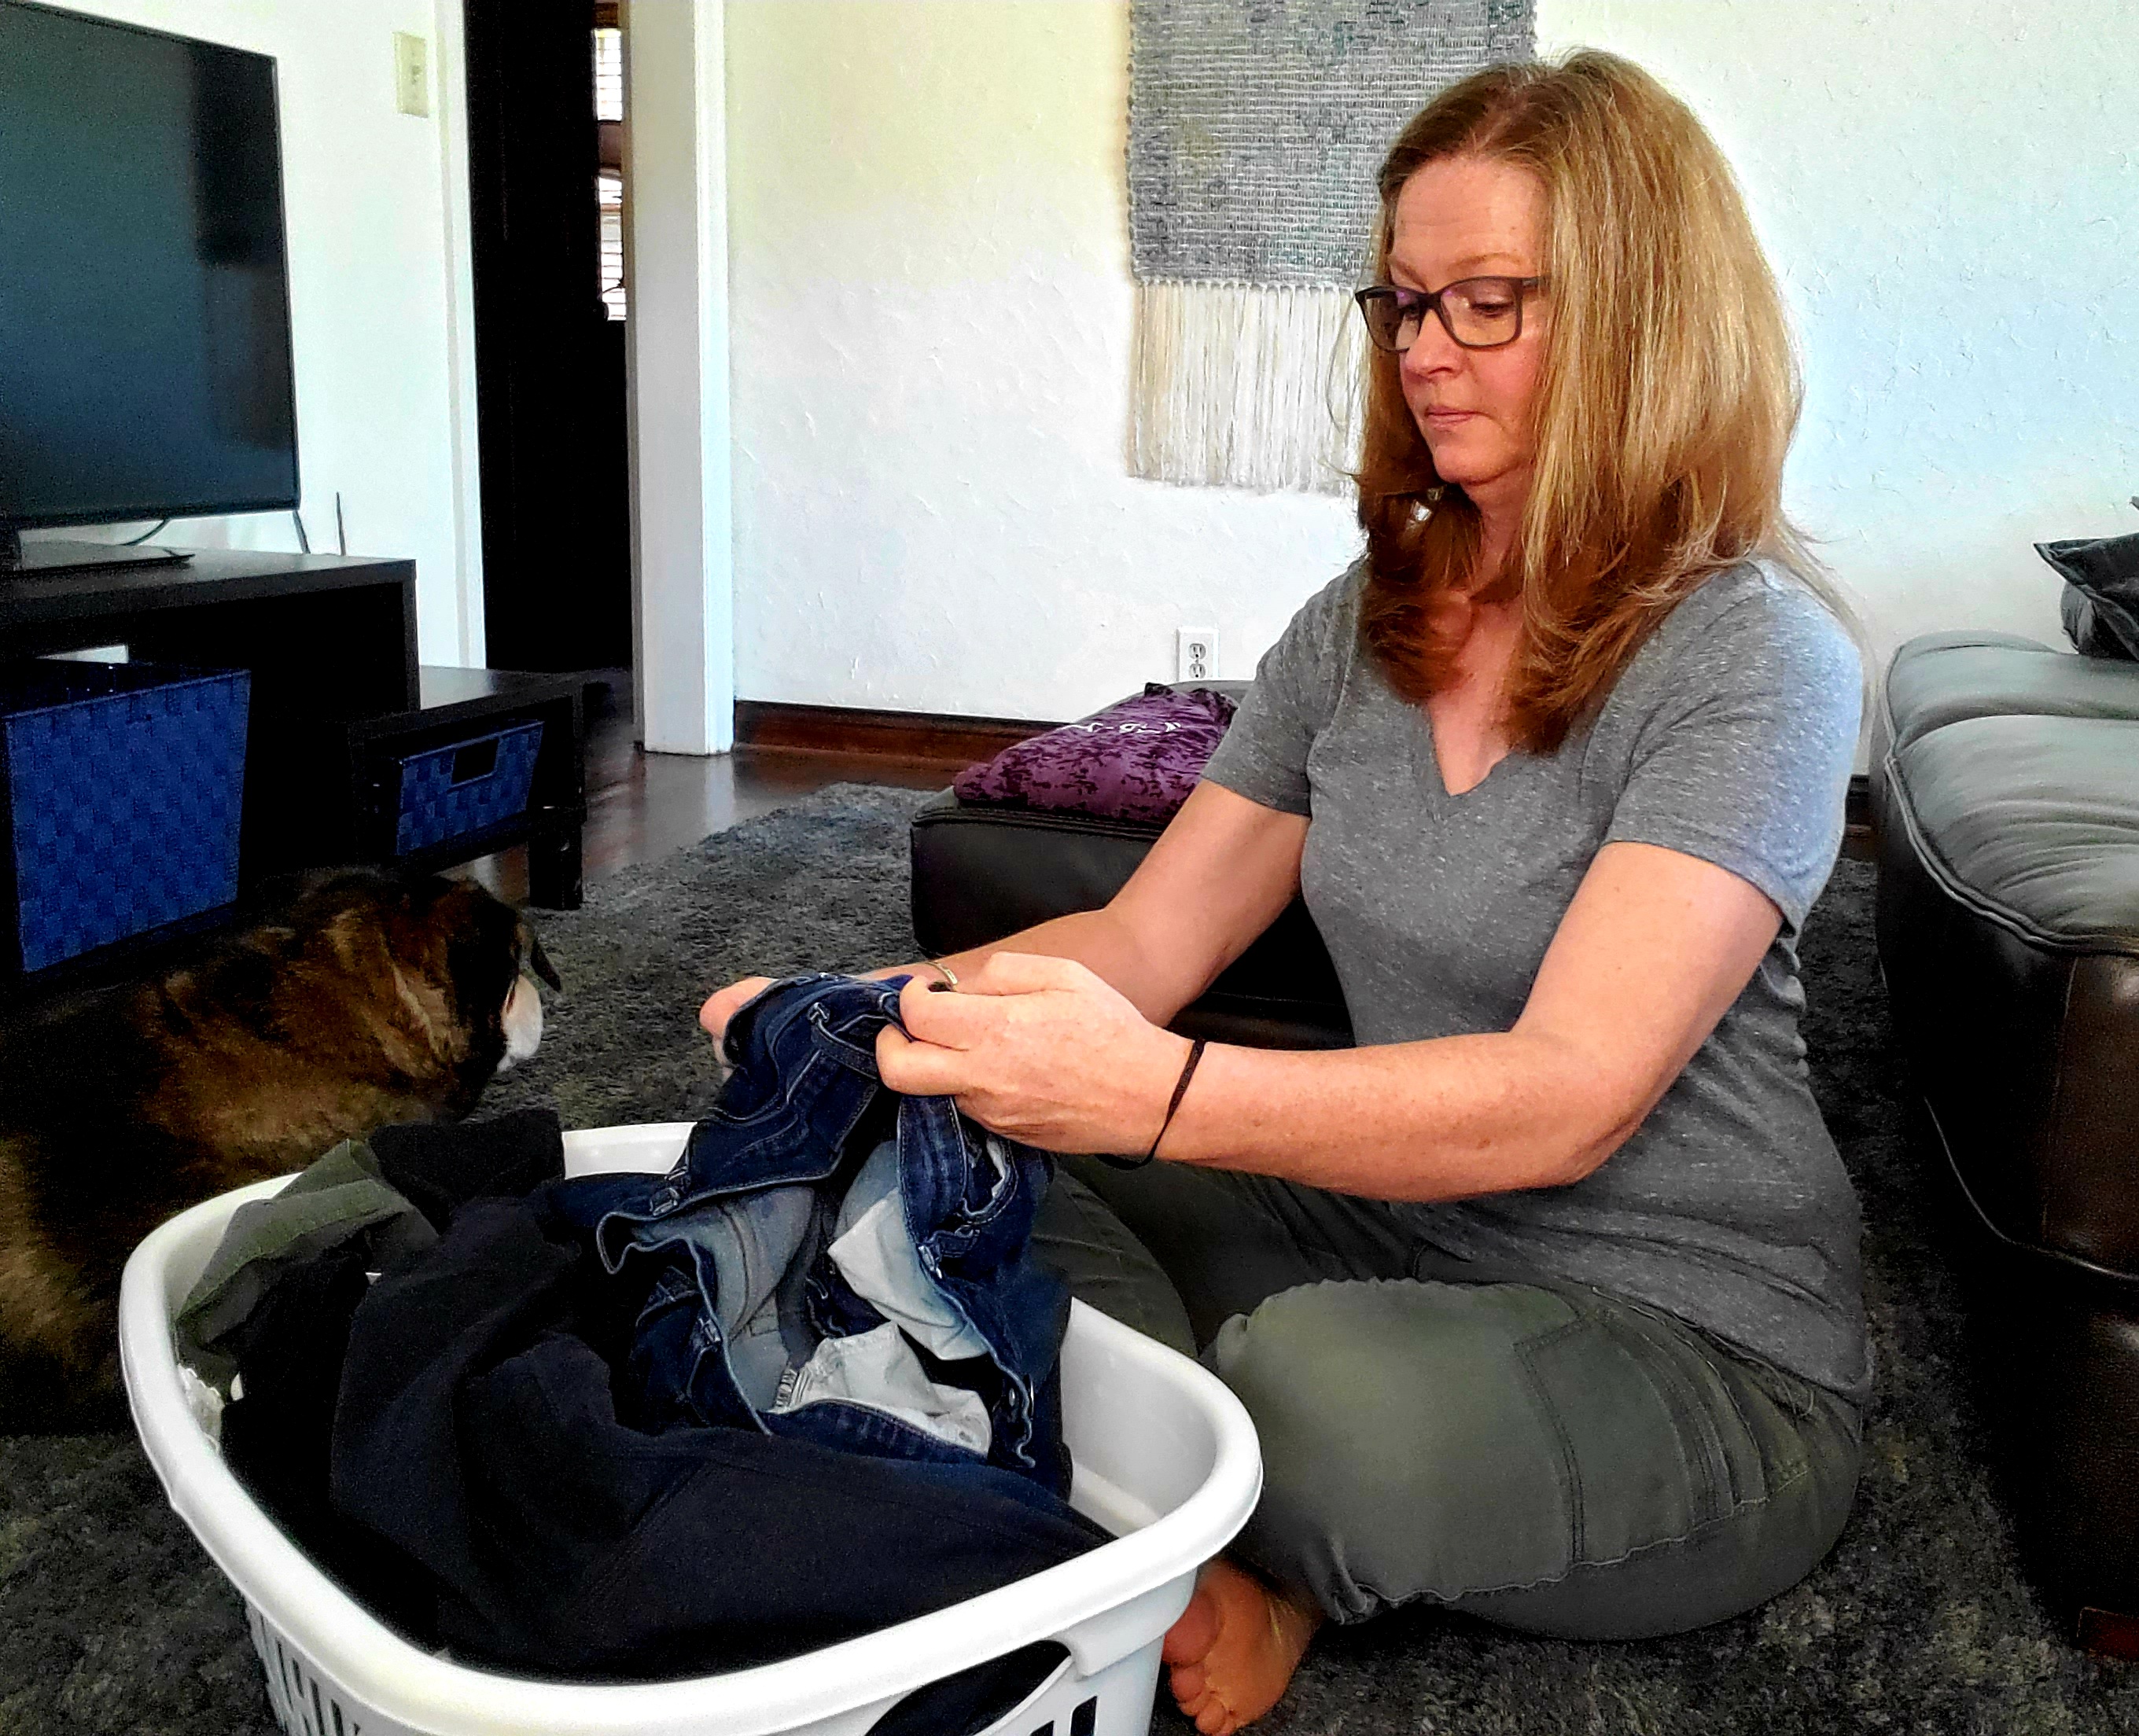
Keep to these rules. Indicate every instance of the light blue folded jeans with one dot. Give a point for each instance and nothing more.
(1551, 1460)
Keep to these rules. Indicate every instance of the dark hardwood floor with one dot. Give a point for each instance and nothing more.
(641, 806)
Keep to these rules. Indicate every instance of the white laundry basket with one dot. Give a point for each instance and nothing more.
(1164, 1456)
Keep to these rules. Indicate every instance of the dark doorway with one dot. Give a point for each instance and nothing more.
(549, 348)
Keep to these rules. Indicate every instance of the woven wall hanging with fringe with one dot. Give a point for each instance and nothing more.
(1255, 130)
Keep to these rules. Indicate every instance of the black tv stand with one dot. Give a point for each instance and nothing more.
(337, 694)
(20, 559)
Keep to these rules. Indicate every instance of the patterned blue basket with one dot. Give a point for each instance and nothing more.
(449, 791)
(124, 783)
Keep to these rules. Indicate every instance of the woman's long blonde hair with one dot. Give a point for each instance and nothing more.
(1665, 401)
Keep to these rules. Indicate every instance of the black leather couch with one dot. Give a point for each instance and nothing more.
(2005, 798)
(980, 873)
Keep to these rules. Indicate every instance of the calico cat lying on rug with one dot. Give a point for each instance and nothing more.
(369, 1000)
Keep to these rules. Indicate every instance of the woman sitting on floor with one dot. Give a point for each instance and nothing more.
(1545, 1297)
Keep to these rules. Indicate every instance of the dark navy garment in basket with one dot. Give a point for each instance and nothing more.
(477, 1433)
(760, 1185)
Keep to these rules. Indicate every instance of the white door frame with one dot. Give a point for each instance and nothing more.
(451, 83)
(676, 252)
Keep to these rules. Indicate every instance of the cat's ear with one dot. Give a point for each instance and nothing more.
(537, 960)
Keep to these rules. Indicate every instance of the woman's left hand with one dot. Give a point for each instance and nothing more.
(1040, 1049)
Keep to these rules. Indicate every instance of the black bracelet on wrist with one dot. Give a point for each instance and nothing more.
(1180, 1091)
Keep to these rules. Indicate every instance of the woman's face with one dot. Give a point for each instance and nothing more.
(1465, 217)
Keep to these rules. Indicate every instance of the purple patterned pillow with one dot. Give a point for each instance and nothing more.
(1135, 760)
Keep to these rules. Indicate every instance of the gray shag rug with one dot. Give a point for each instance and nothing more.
(112, 1620)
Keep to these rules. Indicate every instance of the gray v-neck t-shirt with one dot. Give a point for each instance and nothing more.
(1730, 736)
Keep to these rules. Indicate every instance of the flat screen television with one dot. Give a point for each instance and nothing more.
(144, 306)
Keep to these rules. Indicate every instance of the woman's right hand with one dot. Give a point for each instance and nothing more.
(722, 1006)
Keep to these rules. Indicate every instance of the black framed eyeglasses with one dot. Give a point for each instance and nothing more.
(1479, 313)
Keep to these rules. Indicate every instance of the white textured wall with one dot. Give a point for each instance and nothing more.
(682, 509)
(378, 279)
(930, 305)
(930, 298)
(1950, 193)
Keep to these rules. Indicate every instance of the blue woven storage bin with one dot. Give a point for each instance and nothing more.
(124, 784)
(450, 791)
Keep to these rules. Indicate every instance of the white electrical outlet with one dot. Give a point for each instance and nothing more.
(412, 73)
(1196, 653)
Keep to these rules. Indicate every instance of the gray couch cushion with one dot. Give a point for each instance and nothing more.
(2035, 821)
(1943, 676)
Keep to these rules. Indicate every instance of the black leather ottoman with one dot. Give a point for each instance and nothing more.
(2005, 796)
(982, 873)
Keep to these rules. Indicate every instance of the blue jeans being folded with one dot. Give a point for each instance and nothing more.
(831, 1262)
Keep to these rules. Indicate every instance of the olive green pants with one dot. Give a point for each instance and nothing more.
(1551, 1460)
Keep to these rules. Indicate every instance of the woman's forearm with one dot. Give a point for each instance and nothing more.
(1436, 1120)
(1652, 953)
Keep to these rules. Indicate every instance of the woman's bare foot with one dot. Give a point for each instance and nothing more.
(1235, 1649)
